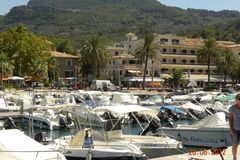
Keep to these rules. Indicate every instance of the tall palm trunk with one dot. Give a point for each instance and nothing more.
(208, 62)
(225, 79)
(152, 70)
(144, 73)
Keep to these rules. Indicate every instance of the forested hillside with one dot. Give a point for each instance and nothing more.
(114, 18)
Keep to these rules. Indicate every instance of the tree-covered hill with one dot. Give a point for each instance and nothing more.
(76, 18)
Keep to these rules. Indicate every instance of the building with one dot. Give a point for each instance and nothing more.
(174, 52)
(67, 65)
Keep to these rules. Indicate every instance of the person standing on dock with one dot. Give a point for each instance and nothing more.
(234, 124)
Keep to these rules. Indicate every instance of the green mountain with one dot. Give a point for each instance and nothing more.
(77, 18)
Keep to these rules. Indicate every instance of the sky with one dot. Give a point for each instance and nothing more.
(6, 5)
(216, 5)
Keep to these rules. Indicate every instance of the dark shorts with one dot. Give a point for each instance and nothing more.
(236, 137)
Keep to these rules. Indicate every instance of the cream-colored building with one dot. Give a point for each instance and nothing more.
(174, 53)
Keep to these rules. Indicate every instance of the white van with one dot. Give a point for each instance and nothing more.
(103, 85)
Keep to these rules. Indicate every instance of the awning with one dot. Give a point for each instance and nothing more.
(147, 79)
(132, 71)
(15, 78)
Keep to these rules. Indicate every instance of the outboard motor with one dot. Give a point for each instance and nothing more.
(38, 137)
(153, 126)
(63, 122)
(69, 119)
(9, 123)
(170, 123)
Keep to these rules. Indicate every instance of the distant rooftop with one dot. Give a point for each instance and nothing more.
(62, 55)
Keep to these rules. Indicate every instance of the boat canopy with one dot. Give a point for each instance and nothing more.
(230, 97)
(190, 105)
(121, 110)
(214, 120)
(173, 108)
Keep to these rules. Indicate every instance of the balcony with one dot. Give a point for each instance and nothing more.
(179, 53)
(182, 63)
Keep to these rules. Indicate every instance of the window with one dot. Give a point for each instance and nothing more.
(116, 53)
(113, 72)
(113, 61)
(192, 70)
(200, 71)
(109, 62)
(69, 62)
(129, 46)
(124, 62)
(184, 61)
(164, 60)
(192, 61)
(69, 73)
(192, 51)
(120, 73)
(175, 41)
(174, 50)
(164, 50)
(184, 51)
(164, 69)
(163, 41)
(174, 61)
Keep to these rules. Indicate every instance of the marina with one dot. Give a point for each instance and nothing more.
(119, 120)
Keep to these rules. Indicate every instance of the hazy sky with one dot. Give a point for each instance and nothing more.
(6, 5)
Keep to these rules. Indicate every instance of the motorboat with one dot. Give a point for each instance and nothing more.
(48, 119)
(15, 145)
(211, 131)
(87, 144)
(153, 146)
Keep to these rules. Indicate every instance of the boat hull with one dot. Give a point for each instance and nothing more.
(203, 137)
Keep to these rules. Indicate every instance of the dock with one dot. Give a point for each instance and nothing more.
(205, 154)
(4, 115)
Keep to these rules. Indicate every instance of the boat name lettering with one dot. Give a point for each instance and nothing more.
(204, 140)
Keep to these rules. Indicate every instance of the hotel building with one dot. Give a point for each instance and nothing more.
(174, 53)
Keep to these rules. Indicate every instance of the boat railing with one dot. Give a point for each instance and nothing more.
(134, 147)
(38, 153)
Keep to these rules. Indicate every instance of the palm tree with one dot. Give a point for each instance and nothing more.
(52, 69)
(235, 72)
(209, 53)
(145, 51)
(6, 67)
(94, 55)
(38, 68)
(175, 78)
(226, 63)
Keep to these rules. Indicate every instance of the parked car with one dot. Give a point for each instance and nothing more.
(105, 85)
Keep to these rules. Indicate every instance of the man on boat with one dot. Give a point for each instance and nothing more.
(234, 124)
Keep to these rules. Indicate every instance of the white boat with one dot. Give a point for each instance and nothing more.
(212, 131)
(86, 144)
(15, 145)
(152, 146)
(48, 120)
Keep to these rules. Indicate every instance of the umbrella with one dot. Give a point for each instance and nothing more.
(192, 83)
